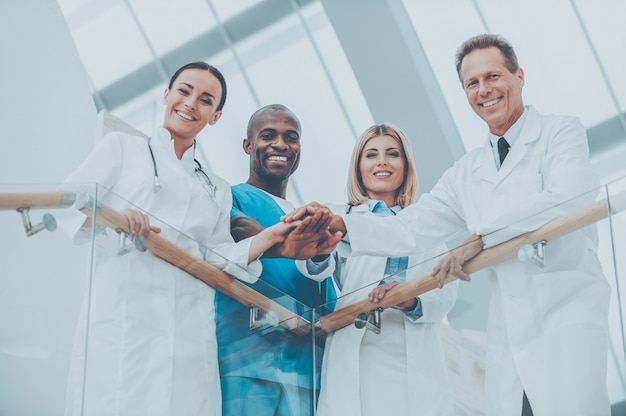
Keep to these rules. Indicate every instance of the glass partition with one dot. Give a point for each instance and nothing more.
(160, 324)
(43, 277)
(535, 267)
(145, 337)
(612, 250)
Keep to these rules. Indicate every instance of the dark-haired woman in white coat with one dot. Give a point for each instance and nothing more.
(145, 342)
(402, 370)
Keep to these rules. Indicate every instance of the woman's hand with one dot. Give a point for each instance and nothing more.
(278, 232)
(335, 223)
(304, 211)
(269, 237)
(138, 223)
(378, 294)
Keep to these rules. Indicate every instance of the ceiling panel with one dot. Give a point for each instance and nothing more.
(168, 25)
(226, 9)
(110, 45)
(605, 24)
(441, 27)
(562, 75)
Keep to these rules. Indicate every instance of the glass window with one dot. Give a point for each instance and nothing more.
(561, 72)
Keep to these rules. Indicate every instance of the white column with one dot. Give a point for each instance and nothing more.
(397, 80)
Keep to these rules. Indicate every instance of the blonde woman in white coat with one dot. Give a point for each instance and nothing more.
(402, 370)
(146, 343)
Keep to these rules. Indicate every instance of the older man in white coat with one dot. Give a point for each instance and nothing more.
(547, 329)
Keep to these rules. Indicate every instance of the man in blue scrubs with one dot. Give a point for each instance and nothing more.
(269, 371)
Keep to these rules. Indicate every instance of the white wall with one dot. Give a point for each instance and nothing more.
(47, 117)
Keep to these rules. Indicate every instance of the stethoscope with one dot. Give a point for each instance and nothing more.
(208, 184)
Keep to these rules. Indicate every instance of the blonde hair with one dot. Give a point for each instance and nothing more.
(407, 192)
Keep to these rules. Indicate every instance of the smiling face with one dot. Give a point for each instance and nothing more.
(494, 93)
(273, 144)
(191, 104)
(382, 168)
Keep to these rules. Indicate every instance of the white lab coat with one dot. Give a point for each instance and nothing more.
(547, 328)
(146, 335)
(427, 373)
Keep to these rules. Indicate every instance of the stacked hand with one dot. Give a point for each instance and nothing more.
(335, 223)
(312, 236)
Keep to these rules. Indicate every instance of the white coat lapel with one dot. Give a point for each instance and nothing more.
(484, 165)
(530, 132)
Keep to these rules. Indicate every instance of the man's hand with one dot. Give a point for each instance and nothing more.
(452, 263)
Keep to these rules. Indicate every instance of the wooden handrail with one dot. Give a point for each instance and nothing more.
(164, 249)
(344, 316)
(21, 200)
(488, 257)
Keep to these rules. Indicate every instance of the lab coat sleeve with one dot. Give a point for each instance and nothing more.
(232, 258)
(432, 220)
(317, 271)
(568, 179)
(101, 167)
(229, 256)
